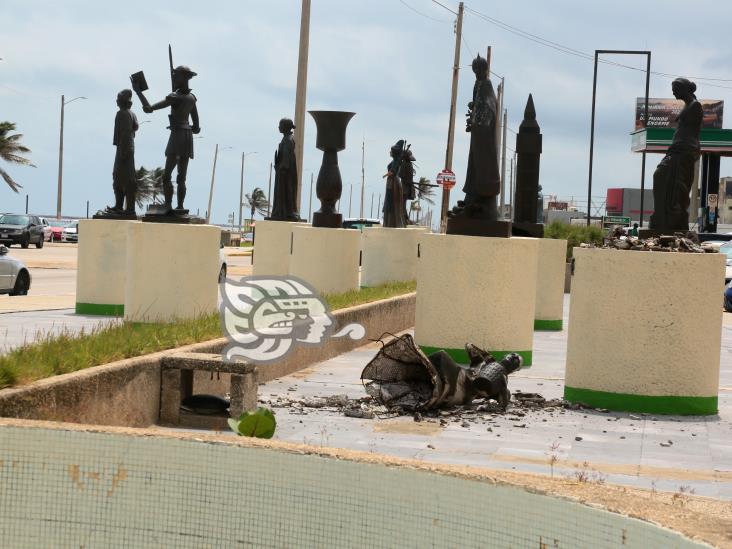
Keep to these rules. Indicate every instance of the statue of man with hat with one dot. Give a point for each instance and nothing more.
(179, 151)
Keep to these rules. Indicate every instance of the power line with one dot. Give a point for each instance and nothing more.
(444, 7)
(584, 55)
(423, 14)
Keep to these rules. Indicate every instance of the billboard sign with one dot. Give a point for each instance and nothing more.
(663, 113)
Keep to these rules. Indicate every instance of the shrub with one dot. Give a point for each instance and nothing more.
(574, 235)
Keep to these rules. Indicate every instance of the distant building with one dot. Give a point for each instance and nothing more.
(725, 201)
(626, 202)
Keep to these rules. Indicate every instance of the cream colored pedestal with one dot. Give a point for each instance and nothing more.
(327, 259)
(476, 290)
(550, 284)
(172, 271)
(272, 243)
(389, 255)
(102, 266)
(645, 331)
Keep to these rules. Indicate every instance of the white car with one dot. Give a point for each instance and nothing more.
(726, 249)
(70, 233)
(14, 276)
(222, 264)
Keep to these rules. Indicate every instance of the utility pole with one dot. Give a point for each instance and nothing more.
(241, 191)
(310, 206)
(269, 192)
(503, 163)
(451, 127)
(378, 208)
(301, 93)
(60, 161)
(210, 192)
(26, 203)
(363, 174)
(372, 206)
(350, 198)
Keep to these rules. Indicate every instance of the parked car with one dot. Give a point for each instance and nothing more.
(70, 233)
(248, 237)
(57, 227)
(726, 249)
(728, 297)
(14, 276)
(360, 223)
(46, 229)
(21, 229)
(222, 264)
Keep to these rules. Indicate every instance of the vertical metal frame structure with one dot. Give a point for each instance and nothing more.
(592, 128)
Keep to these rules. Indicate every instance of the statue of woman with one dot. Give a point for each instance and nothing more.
(284, 207)
(482, 180)
(394, 215)
(674, 175)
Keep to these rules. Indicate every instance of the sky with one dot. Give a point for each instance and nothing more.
(389, 61)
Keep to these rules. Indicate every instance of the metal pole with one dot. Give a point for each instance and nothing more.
(645, 123)
(451, 127)
(213, 177)
(310, 206)
(241, 190)
(378, 208)
(301, 93)
(592, 138)
(350, 198)
(26, 204)
(269, 193)
(87, 209)
(503, 163)
(372, 206)
(363, 176)
(60, 162)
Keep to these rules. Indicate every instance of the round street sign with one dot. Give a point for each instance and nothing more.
(446, 178)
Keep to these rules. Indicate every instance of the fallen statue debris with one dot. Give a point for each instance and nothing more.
(402, 376)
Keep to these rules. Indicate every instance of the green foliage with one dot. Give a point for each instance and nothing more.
(12, 151)
(574, 235)
(257, 202)
(66, 352)
(259, 424)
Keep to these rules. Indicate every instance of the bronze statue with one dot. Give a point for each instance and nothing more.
(394, 206)
(285, 187)
(675, 173)
(477, 214)
(409, 188)
(124, 182)
(526, 198)
(179, 150)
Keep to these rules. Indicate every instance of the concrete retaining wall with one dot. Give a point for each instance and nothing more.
(645, 331)
(127, 392)
(550, 284)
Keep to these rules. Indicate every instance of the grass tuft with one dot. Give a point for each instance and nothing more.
(64, 352)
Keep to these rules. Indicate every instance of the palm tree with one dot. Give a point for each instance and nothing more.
(425, 190)
(11, 150)
(149, 185)
(257, 201)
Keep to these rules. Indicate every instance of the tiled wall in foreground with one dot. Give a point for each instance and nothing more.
(70, 488)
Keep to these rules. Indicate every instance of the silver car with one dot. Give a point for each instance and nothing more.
(14, 276)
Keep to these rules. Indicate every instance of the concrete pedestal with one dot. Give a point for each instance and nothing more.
(272, 244)
(102, 266)
(172, 271)
(476, 290)
(550, 284)
(645, 331)
(389, 255)
(327, 259)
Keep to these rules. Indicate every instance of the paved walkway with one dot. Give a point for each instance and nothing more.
(23, 327)
(630, 449)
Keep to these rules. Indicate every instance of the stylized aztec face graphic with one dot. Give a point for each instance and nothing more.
(264, 317)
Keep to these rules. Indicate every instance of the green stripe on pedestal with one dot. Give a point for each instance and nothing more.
(101, 309)
(461, 357)
(549, 325)
(670, 405)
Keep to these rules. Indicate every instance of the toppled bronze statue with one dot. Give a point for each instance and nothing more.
(402, 376)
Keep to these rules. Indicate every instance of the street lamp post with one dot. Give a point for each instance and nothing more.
(241, 186)
(213, 177)
(61, 154)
